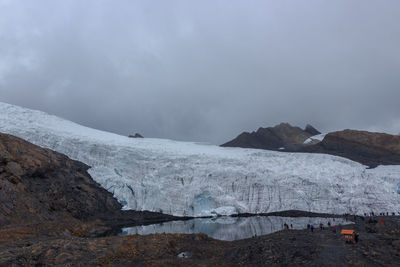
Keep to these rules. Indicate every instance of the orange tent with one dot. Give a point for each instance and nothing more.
(348, 235)
(347, 232)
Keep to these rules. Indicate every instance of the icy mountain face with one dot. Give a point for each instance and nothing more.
(183, 178)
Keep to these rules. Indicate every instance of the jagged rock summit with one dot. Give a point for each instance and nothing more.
(311, 130)
(280, 137)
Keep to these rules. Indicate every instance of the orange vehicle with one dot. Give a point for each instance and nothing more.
(349, 236)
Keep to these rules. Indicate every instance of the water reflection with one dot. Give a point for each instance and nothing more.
(231, 228)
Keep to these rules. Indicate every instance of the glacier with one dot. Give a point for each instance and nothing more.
(195, 179)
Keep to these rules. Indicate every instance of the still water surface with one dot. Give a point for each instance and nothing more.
(232, 228)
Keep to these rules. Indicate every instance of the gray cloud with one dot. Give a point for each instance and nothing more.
(204, 70)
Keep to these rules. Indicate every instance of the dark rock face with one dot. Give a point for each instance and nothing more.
(38, 185)
(311, 130)
(137, 135)
(371, 149)
(281, 137)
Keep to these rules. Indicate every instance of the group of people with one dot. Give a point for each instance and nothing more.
(286, 226)
(311, 227)
(321, 227)
(372, 214)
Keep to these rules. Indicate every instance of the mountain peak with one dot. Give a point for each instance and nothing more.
(311, 130)
(272, 138)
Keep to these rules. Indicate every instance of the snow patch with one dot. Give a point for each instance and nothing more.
(318, 137)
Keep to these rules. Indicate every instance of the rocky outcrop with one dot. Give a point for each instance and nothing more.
(281, 137)
(38, 185)
(311, 130)
(371, 149)
(137, 135)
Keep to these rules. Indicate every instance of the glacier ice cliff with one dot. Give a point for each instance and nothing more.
(183, 178)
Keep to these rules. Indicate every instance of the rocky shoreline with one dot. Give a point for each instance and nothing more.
(379, 245)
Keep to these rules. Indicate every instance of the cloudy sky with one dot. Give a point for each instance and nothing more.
(204, 70)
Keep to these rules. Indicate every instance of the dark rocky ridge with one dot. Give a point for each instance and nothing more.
(272, 138)
(311, 130)
(42, 185)
(371, 149)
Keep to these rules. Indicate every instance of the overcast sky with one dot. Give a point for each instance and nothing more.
(204, 70)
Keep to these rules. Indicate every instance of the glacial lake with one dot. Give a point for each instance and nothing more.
(232, 228)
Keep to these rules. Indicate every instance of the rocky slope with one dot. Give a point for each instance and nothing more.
(38, 184)
(371, 149)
